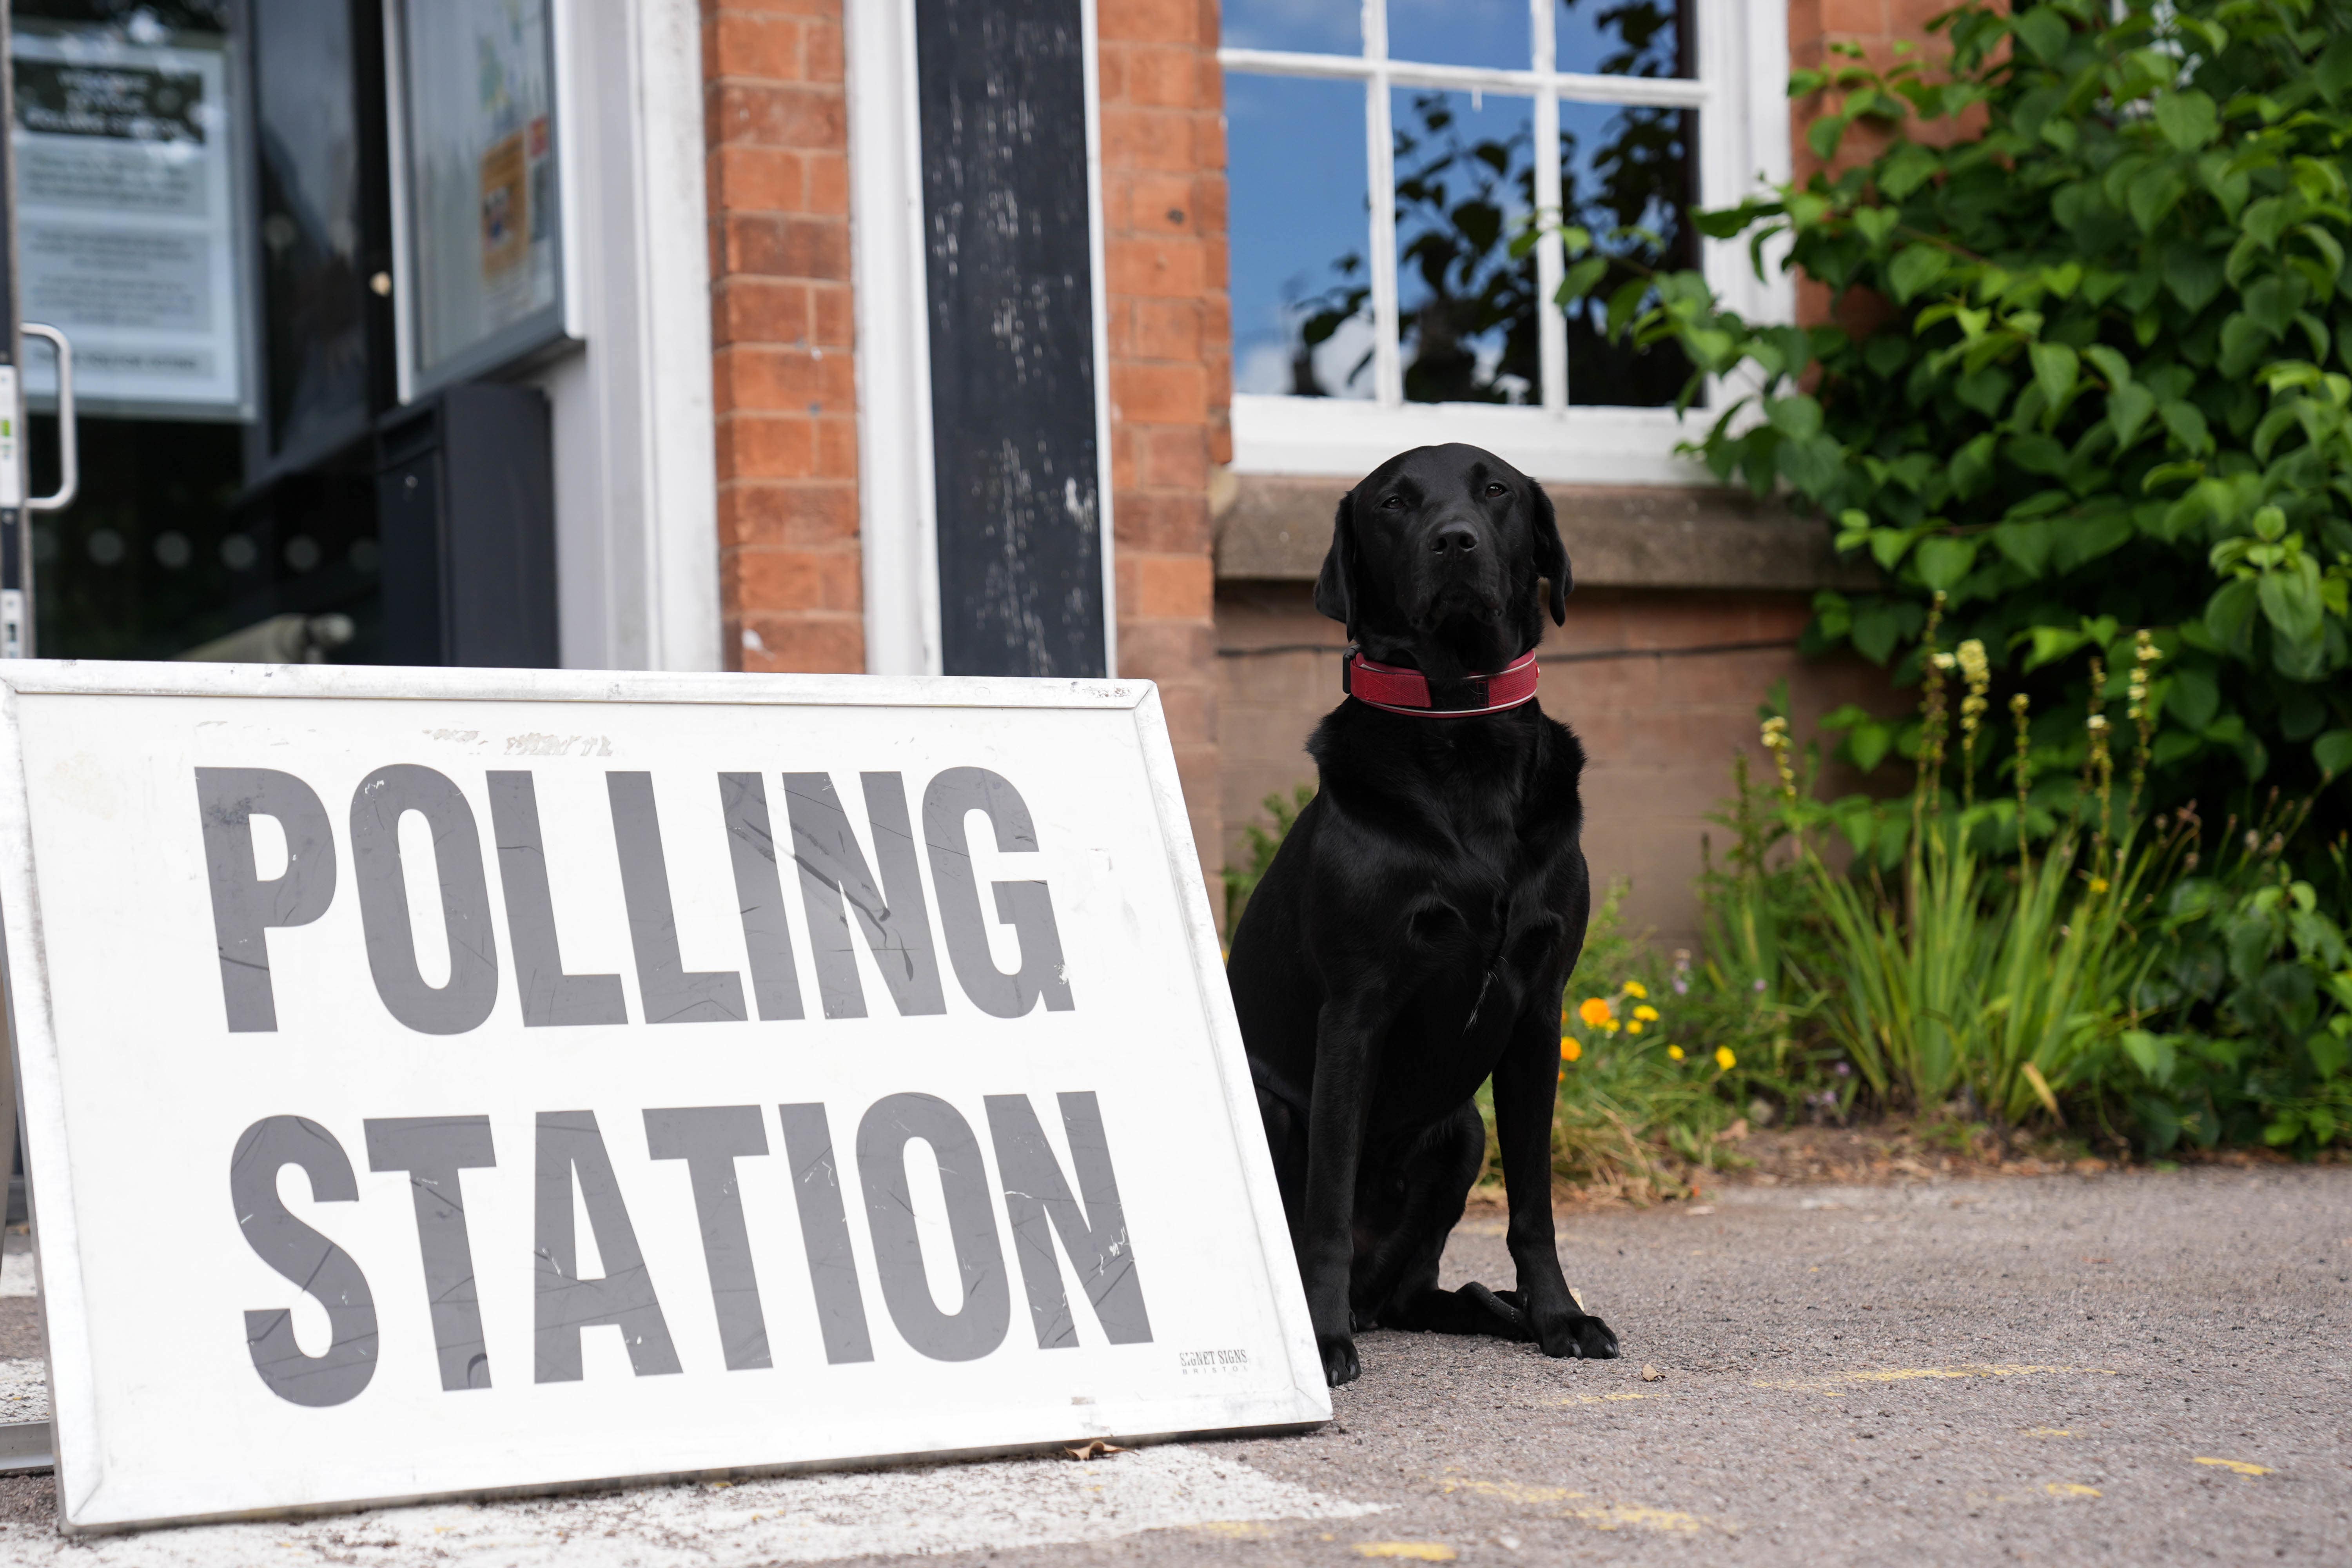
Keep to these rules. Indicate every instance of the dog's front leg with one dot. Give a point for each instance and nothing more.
(1345, 1034)
(1526, 1086)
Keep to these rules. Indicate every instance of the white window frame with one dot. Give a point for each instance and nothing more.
(1740, 91)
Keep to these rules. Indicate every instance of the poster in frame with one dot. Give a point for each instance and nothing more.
(477, 187)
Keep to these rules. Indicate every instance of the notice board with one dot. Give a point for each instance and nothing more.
(454, 1082)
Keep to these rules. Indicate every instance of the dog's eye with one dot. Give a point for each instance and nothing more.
(1498, 490)
(1393, 503)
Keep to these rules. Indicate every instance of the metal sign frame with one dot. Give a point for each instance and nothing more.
(1293, 1397)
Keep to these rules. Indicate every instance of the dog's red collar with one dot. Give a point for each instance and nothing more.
(1402, 691)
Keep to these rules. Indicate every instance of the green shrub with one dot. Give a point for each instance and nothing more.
(2106, 386)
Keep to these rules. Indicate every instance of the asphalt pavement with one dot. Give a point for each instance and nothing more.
(2132, 1368)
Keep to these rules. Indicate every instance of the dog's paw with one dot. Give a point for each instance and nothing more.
(1583, 1338)
(1339, 1363)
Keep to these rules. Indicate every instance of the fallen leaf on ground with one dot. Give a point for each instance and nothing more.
(1094, 1450)
(1651, 1374)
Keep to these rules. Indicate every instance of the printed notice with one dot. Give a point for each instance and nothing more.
(126, 219)
(480, 184)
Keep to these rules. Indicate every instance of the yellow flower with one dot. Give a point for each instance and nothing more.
(1724, 1058)
(2098, 885)
(1634, 1027)
(1596, 1013)
(1646, 1013)
(1676, 1052)
(1610, 1027)
(1636, 990)
(1570, 1050)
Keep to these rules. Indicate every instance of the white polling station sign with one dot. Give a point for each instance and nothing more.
(447, 1082)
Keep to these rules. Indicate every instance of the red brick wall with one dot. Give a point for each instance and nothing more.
(776, 133)
(1170, 350)
(1876, 26)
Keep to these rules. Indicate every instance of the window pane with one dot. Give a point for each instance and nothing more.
(314, 289)
(1465, 309)
(1625, 37)
(1301, 283)
(1462, 33)
(1627, 169)
(1317, 27)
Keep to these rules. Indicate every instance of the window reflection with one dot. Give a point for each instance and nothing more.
(1301, 289)
(1465, 306)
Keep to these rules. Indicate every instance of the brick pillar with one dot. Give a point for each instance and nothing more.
(1164, 196)
(776, 131)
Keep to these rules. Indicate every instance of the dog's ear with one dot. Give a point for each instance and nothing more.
(1334, 589)
(1552, 556)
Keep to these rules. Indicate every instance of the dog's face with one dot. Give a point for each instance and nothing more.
(1436, 559)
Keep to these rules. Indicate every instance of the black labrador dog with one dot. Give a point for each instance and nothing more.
(1415, 932)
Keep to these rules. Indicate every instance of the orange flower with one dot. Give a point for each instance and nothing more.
(1570, 1049)
(1596, 1012)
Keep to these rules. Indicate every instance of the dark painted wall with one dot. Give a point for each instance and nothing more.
(1003, 92)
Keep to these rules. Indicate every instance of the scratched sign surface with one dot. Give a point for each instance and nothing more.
(445, 1081)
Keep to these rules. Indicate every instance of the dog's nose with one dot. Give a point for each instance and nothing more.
(1454, 539)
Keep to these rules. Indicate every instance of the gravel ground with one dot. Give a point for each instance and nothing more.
(2129, 1369)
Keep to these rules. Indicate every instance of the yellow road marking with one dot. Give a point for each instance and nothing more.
(1588, 1510)
(2069, 1489)
(1417, 1551)
(1828, 1386)
(2047, 1432)
(2238, 1465)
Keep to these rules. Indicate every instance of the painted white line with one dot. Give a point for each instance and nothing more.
(796, 1518)
(16, 1275)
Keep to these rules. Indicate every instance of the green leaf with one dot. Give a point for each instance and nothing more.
(2036, 454)
(1905, 169)
(2267, 219)
(1986, 391)
(2193, 697)
(2266, 303)
(2186, 119)
(2056, 368)
(1798, 418)
(2027, 545)
(2333, 751)
(2152, 194)
(2129, 407)
(1944, 562)
(2242, 342)
(2291, 604)
(1868, 745)
(1875, 627)
(1888, 546)
(1916, 268)
(2051, 644)
(1972, 463)
(2042, 29)
(2192, 272)
(2229, 618)
(2187, 424)
(1583, 277)
(1876, 223)
(2152, 1053)
(2091, 538)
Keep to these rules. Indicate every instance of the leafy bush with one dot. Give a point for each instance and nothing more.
(1241, 880)
(2090, 373)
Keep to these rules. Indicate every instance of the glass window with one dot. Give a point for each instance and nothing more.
(1465, 184)
(1301, 241)
(1487, 107)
